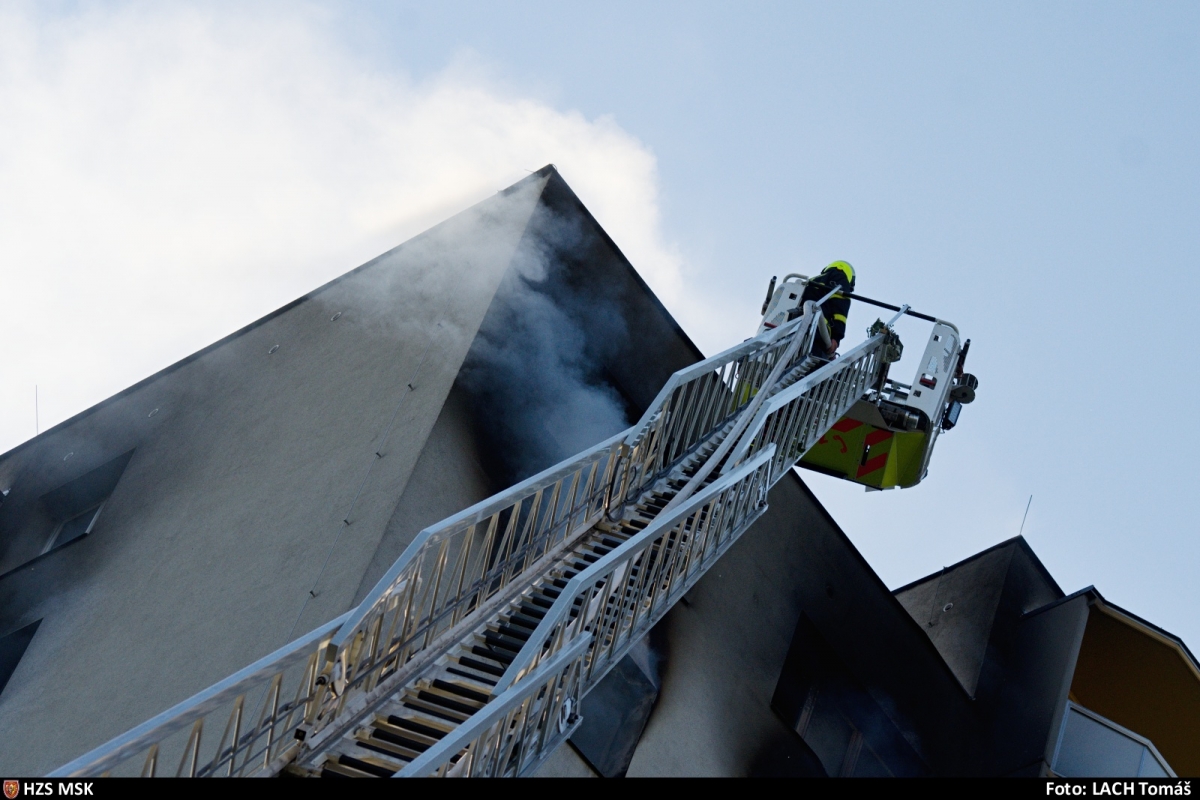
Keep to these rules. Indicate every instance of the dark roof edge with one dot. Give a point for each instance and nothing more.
(1017, 540)
(1111, 608)
(912, 623)
(541, 173)
(1088, 591)
(550, 169)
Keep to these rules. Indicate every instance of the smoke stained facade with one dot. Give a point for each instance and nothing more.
(165, 538)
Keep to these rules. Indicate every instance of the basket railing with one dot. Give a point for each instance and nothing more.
(698, 400)
(795, 419)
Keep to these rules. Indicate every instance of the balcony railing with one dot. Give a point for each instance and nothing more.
(1091, 746)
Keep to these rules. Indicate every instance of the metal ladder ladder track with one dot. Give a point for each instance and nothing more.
(434, 704)
(471, 652)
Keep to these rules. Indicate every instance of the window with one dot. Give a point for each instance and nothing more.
(12, 647)
(74, 508)
(71, 529)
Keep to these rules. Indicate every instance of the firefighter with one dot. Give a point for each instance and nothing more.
(838, 275)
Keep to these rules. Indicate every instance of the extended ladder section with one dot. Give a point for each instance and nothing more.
(470, 656)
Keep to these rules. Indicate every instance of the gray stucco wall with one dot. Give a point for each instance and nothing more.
(232, 508)
(447, 478)
(956, 608)
(726, 645)
(1026, 676)
(278, 473)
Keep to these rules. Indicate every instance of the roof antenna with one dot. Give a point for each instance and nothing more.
(1026, 515)
(37, 422)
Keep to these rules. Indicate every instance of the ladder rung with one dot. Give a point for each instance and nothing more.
(463, 673)
(374, 770)
(416, 726)
(459, 689)
(424, 706)
(389, 744)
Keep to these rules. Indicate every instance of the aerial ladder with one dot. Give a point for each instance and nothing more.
(472, 653)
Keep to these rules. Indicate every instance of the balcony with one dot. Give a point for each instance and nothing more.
(1091, 746)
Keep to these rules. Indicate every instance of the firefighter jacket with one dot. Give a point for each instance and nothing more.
(838, 275)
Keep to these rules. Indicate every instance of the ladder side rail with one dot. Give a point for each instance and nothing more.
(698, 400)
(797, 417)
(452, 568)
(515, 731)
(657, 565)
(621, 609)
(708, 398)
(780, 367)
(855, 382)
(258, 677)
(701, 368)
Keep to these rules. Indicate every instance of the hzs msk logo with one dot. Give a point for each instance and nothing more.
(12, 789)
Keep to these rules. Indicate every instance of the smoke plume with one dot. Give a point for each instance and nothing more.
(171, 172)
(537, 369)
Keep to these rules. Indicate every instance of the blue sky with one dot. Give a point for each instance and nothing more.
(1028, 171)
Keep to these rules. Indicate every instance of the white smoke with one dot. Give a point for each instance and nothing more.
(168, 174)
(537, 368)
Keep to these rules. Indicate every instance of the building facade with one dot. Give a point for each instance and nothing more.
(170, 535)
